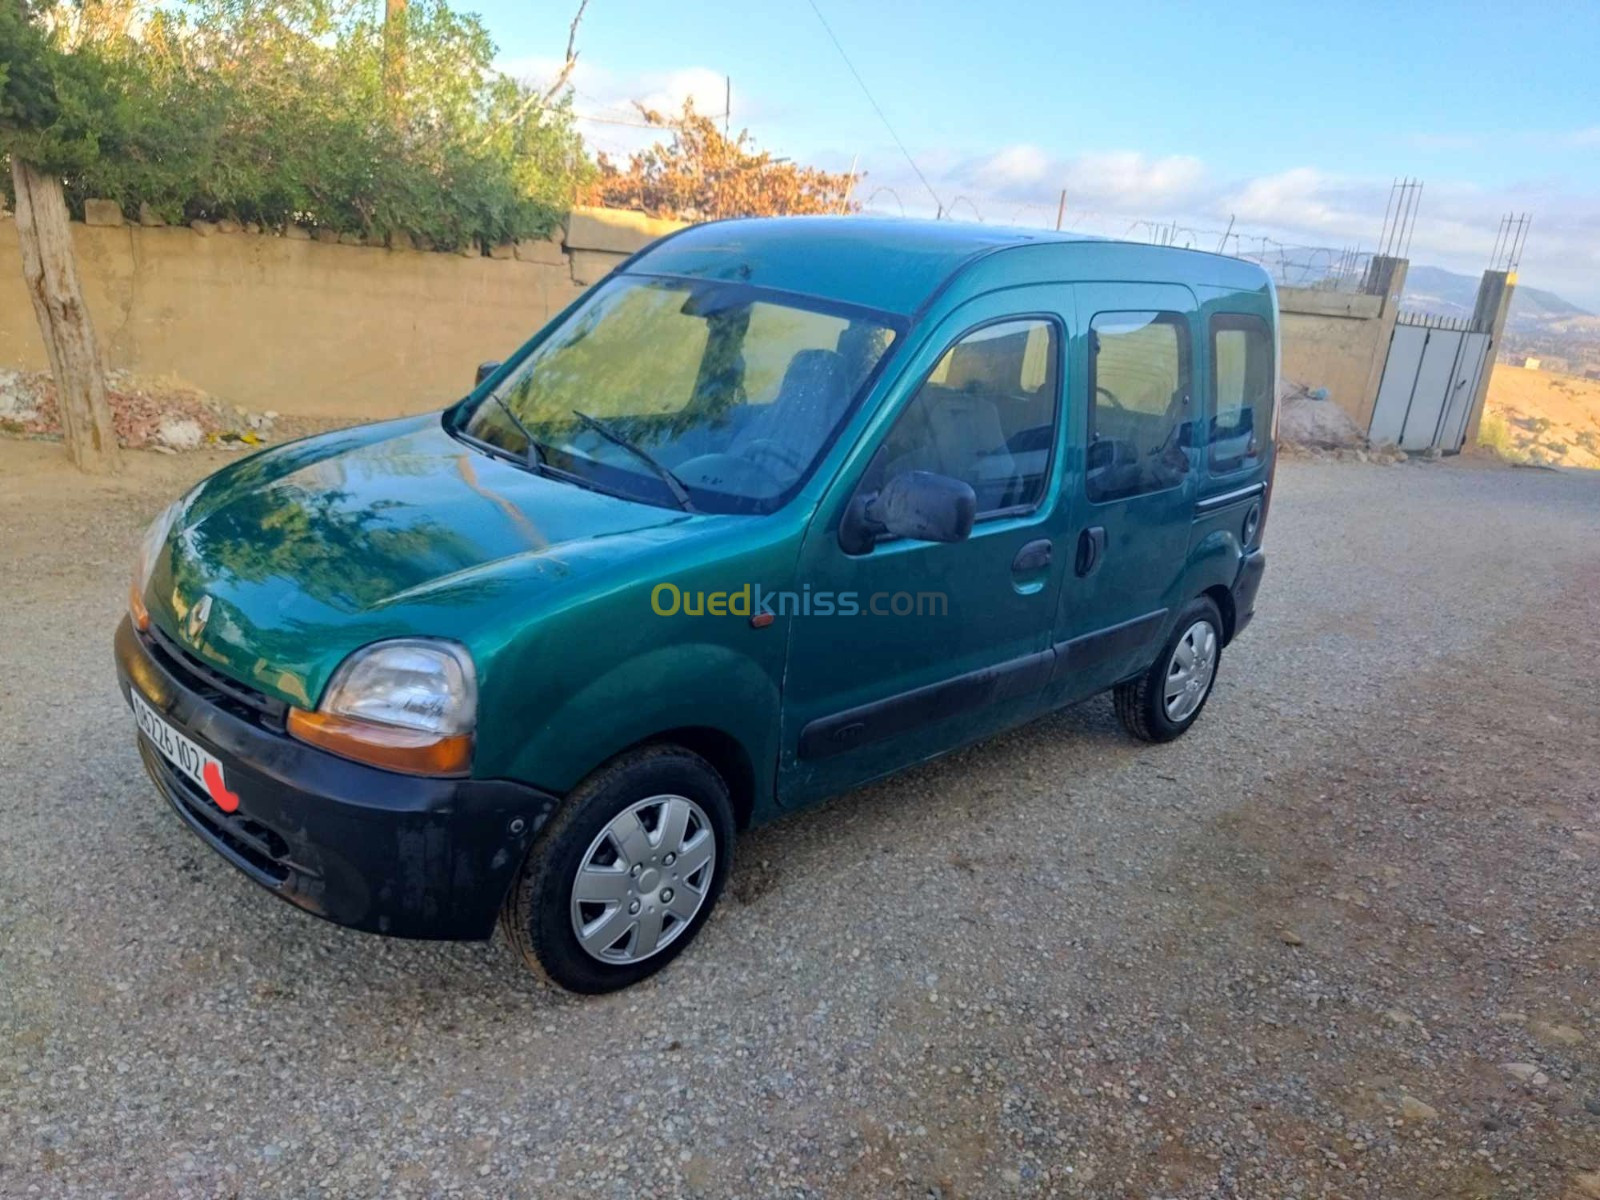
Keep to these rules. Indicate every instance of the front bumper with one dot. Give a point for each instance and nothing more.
(1245, 588)
(362, 847)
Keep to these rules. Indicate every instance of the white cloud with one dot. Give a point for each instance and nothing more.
(606, 102)
(1125, 192)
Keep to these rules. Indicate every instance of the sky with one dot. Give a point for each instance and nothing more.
(1289, 119)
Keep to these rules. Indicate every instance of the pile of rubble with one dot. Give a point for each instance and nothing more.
(1310, 425)
(158, 415)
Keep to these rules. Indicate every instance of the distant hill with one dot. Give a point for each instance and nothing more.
(1446, 294)
(1541, 325)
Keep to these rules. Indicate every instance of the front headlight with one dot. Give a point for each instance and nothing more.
(144, 565)
(405, 705)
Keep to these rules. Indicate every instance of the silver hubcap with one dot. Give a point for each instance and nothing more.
(643, 879)
(1190, 671)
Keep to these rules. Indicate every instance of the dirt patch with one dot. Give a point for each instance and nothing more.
(1542, 418)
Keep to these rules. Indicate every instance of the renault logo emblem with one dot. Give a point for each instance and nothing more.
(195, 623)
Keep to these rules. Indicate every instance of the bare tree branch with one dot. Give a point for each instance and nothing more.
(543, 99)
(572, 57)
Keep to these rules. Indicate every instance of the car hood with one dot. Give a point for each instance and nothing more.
(310, 550)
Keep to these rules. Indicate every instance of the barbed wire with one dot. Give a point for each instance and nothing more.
(1326, 268)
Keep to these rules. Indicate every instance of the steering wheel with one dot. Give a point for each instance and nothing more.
(773, 451)
(1111, 396)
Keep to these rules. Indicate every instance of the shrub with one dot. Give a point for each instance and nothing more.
(702, 175)
(313, 112)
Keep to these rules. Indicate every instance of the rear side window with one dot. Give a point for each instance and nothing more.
(1139, 417)
(1242, 390)
(986, 414)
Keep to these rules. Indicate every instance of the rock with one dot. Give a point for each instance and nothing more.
(228, 225)
(502, 251)
(1011, 1175)
(149, 217)
(1290, 938)
(401, 240)
(1399, 455)
(1592, 1105)
(252, 227)
(1432, 454)
(1525, 1073)
(327, 237)
(350, 239)
(1561, 1035)
(179, 433)
(1400, 1016)
(203, 228)
(1318, 423)
(297, 233)
(16, 404)
(1413, 1109)
(102, 212)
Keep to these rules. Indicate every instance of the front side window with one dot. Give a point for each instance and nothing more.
(1139, 412)
(986, 414)
(722, 393)
(1242, 385)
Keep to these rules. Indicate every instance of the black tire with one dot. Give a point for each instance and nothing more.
(1141, 702)
(538, 915)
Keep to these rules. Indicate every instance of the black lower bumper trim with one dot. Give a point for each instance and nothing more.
(1245, 588)
(370, 849)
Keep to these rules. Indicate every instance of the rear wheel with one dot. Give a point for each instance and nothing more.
(1168, 698)
(623, 878)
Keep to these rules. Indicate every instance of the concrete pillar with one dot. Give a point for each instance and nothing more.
(1386, 277)
(1489, 316)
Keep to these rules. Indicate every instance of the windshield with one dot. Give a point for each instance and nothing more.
(657, 387)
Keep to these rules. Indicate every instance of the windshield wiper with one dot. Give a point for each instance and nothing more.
(535, 459)
(674, 484)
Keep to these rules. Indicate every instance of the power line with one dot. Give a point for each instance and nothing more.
(867, 92)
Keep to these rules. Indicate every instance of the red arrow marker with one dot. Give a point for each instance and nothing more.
(220, 796)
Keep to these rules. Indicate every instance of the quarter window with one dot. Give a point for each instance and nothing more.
(1242, 385)
(1140, 413)
(986, 415)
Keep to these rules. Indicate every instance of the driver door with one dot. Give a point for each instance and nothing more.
(924, 646)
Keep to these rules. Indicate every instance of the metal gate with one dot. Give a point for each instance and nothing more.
(1429, 379)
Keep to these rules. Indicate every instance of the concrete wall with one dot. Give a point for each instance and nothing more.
(309, 329)
(1340, 340)
(304, 328)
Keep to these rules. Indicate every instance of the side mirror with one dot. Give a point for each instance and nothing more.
(918, 504)
(485, 369)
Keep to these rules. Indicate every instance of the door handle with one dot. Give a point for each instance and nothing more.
(1032, 558)
(1091, 549)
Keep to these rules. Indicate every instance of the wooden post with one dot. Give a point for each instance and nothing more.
(1061, 209)
(51, 273)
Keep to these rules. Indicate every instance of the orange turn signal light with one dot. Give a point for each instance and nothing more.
(409, 751)
(136, 608)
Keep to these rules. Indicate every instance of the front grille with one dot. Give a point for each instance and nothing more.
(254, 847)
(212, 686)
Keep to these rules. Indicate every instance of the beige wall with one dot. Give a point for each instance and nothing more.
(304, 328)
(308, 329)
(1340, 340)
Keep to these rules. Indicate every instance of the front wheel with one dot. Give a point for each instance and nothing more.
(626, 874)
(1168, 698)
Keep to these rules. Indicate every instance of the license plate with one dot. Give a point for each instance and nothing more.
(182, 753)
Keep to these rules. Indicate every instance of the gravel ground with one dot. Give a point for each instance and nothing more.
(1341, 940)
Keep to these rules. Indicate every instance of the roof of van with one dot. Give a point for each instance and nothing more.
(898, 266)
